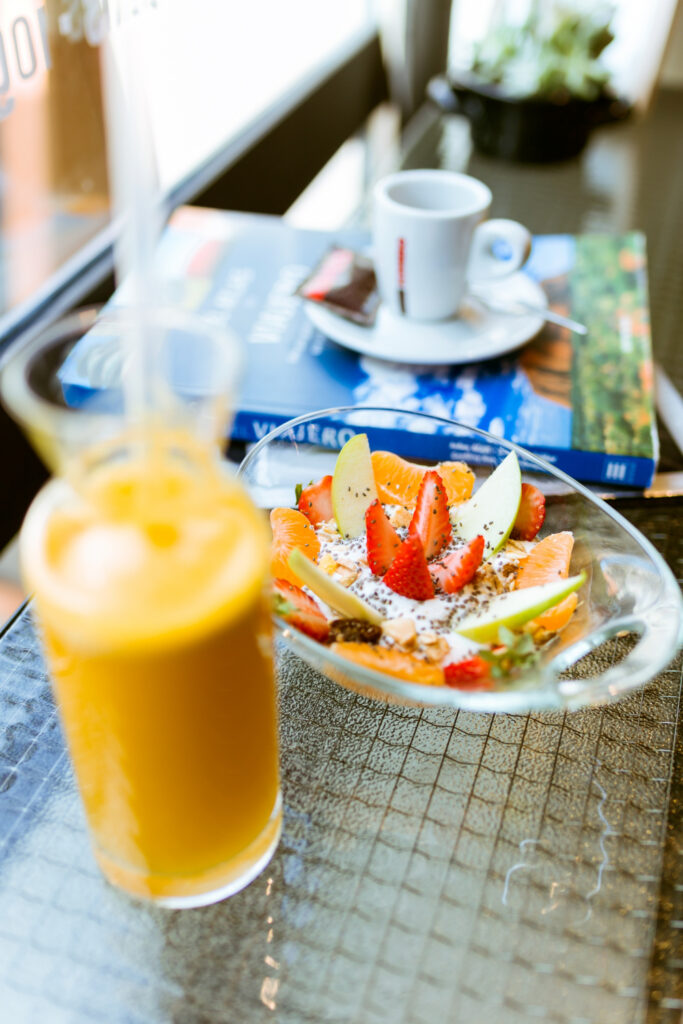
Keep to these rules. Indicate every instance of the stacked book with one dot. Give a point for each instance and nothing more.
(583, 403)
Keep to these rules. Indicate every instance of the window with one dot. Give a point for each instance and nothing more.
(224, 70)
(219, 74)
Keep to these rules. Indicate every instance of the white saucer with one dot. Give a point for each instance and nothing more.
(477, 333)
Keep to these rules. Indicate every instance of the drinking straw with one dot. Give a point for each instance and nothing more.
(136, 208)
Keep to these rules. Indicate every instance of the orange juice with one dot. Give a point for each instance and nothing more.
(148, 578)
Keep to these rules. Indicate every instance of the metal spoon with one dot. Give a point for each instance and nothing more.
(514, 306)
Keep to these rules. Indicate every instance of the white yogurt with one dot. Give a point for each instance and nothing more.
(440, 614)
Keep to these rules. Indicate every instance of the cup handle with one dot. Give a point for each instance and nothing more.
(486, 261)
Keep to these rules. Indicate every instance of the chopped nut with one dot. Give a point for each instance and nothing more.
(435, 648)
(345, 576)
(401, 630)
(517, 548)
(401, 516)
(487, 574)
(328, 528)
(327, 563)
(348, 563)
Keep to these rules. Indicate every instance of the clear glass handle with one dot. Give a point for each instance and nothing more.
(649, 656)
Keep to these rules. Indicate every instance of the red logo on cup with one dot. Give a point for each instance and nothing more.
(401, 273)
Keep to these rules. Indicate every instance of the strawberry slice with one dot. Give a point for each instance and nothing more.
(469, 674)
(316, 501)
(299, 609)
(408, 574)
(430, 519)
(530, 515)
(382, 540)
(457, 569)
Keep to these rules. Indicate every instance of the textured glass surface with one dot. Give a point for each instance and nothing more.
(435, 865)
(628, 587)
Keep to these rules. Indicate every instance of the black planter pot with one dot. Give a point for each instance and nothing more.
(527, 130)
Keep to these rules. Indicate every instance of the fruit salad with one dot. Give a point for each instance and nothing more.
(408, 570)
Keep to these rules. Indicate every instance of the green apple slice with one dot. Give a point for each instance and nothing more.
(493, 508)
(353, 486)
(331, 592)
(515, 608)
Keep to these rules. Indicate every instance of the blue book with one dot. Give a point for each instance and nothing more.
(585, 404)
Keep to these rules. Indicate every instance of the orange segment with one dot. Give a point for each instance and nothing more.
(458, 479)
(557, 617)
(398, 481)
(394, 663)
(291, 529)
(549, 561)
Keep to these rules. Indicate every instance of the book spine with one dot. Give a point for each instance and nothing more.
(451, 445)
(620, 470)
(252, 426)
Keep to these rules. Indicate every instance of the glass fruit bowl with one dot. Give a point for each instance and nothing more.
(629, 588)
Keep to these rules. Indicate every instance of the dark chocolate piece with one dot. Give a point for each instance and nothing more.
(344, 282)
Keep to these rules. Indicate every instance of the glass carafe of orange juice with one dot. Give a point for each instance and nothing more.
(147, 562)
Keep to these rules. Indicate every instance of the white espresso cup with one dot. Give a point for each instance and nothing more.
(431, 239)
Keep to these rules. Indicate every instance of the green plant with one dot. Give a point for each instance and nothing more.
(554, 55)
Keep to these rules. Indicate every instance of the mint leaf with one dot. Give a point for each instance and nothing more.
(518, 652)
(506, 636)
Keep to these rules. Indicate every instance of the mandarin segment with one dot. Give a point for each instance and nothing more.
(291, 529)
(398, 481)
(555, 618)
(393, 663)
(458, 479)
(549, 560)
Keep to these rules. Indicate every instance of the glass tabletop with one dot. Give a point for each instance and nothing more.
(435, 865)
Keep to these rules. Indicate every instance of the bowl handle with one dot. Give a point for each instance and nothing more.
(660, 632)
